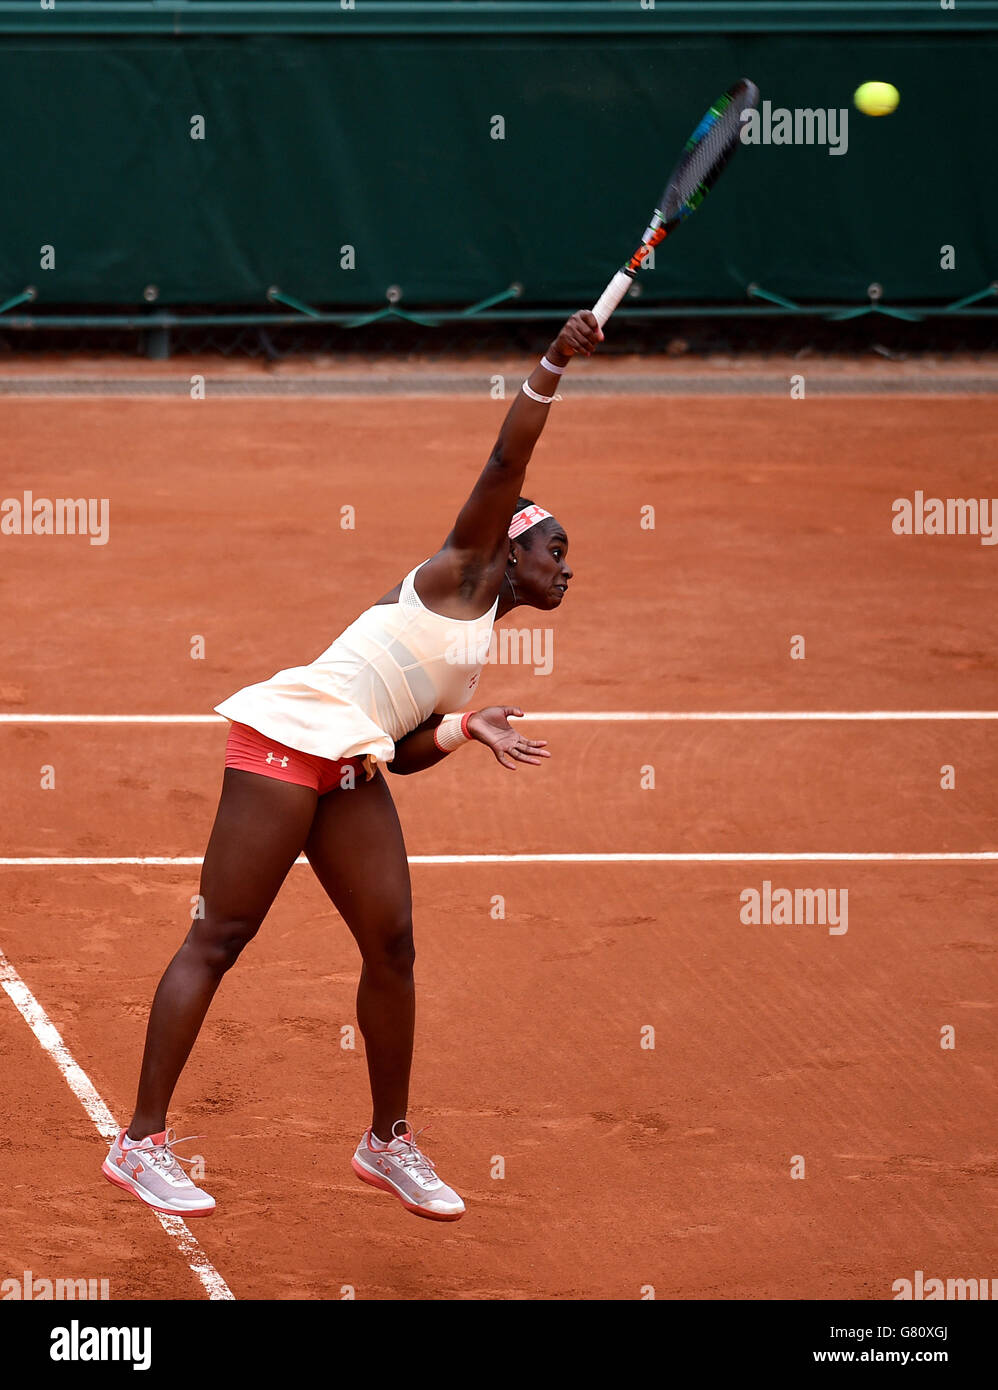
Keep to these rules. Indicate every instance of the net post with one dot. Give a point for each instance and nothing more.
(156, 342)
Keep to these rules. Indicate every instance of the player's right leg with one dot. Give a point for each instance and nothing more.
(260, 829)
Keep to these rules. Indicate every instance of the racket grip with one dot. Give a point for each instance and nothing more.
(612, 296)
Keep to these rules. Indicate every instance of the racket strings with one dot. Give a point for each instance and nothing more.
(707, 152)
(704, 156)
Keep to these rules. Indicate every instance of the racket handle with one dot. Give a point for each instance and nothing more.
(612, 296)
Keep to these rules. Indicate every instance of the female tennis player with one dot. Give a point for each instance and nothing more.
(302, 773)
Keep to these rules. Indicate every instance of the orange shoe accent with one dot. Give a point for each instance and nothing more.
(113, 1177)
(385, 1186)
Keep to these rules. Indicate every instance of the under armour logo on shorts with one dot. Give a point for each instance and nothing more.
(273, 758)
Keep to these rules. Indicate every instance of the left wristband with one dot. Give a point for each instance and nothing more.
(452, 731)
(536, 395)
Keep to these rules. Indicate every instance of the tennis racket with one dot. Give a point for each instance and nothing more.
(704, 156)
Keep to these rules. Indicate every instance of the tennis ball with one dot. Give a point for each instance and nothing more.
(876, 98)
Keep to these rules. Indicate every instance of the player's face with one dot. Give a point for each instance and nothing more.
(541, 574)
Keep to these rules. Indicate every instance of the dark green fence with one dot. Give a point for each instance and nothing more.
(374, 161)
(348, 17)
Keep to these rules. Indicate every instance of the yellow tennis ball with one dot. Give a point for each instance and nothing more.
(877, 98)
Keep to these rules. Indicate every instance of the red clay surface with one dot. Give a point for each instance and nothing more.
(624, 1167)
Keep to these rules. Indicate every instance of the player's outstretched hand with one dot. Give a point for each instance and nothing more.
(581, 334)
(491, 727)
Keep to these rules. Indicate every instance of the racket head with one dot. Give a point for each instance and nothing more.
(705, 155)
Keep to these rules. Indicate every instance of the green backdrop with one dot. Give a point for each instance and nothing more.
(383, 142)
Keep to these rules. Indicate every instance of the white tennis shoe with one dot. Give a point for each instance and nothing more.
(150, 1171)
(403, 1169)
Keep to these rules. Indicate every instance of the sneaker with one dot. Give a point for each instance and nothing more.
(401, 1168)
(150, 1171)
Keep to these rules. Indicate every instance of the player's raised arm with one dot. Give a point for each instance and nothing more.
(480, 529)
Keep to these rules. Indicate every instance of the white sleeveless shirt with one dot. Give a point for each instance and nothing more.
(389, 670)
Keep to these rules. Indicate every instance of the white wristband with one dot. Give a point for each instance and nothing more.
(450, 733)
(550, 367)
(535, 396)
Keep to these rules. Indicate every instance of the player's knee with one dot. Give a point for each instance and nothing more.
(394, 952)
(220, 943)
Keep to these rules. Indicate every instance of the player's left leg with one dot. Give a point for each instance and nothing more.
(358, 854)
(356, 849)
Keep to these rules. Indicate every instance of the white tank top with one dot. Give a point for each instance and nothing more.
(386, 673)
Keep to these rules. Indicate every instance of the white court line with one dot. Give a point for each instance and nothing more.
(83, 1088)
(156, 861)
(560, 716)
(775, 716)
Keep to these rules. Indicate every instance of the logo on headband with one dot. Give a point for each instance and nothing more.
(523, 521)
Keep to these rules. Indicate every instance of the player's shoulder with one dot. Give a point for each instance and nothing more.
(454, 573)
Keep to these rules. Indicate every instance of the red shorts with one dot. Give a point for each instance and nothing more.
(250, 751)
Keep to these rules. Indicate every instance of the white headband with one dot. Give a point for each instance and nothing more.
(523, 521)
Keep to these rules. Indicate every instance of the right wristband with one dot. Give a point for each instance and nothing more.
(452, 731)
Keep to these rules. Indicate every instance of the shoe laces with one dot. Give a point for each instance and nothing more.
(162, 1157)
(414, 1161)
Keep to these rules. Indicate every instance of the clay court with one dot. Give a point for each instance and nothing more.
(624, 1166)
